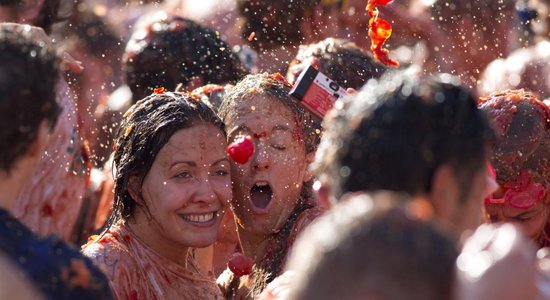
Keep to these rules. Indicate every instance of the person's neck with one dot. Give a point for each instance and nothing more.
(143, 229)
(253, 245)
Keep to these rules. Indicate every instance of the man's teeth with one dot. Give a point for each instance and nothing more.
(261, 183)
(199, 218)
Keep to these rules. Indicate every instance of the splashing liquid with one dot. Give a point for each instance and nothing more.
(379, 31)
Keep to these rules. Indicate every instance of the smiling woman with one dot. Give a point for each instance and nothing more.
(172, 185)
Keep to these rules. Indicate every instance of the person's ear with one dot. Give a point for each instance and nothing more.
(308, 176)
(30, 9)
(134, 189)
(322, 194)
(444, 194)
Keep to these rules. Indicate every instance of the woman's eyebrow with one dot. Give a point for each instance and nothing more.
(223, 159)
(187, 162)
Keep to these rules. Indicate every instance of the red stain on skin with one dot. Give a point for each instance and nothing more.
(47, 210)
(260, 135)
(133, 295)
(297, 135)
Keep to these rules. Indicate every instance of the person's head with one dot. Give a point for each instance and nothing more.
(424, 137)
(364, 250)
(473, 33)
(40, 13)
(521, 160)
(275, 180)
(497, 263)
(172, 175)
(275, 23)
(526, 68)
(170, 50)
(341, 60)
(92, 40)
(29, 73)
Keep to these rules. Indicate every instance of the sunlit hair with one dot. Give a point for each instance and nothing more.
(340, 60)
(395, 133)
(170, 50)
(146, 128)
(367, 249)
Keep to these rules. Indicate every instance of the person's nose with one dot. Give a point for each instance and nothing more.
(204, 193)
(261, 160)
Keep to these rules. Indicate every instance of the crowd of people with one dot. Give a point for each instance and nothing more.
(120, 120)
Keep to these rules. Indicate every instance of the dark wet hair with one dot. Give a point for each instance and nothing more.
(522, 123)
(48, 15)
(274, 23)
(145, 129)
(29, 74)
(171, 50)
(341, 60)
(277, 89)
(394, 134)
(376, 255)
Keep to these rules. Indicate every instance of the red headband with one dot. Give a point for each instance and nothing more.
(520, 193)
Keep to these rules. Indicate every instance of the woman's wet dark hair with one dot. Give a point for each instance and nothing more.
(341, 60)
(394, 134)
(171, 50)
(146, 128)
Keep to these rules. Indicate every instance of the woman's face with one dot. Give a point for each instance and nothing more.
(186, 190)
(531, 220)
(267, 188)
